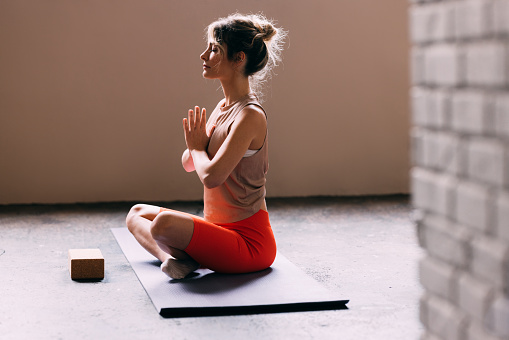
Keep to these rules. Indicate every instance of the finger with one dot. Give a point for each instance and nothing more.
(203, 117)
(186, 127)
(197, 114)
(191, 119)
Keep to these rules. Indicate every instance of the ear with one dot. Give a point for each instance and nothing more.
(241, 56)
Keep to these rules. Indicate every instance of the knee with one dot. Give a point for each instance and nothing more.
(135, 212)
(162, 224)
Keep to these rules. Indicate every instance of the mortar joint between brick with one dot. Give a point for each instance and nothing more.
(469, 252)
(506, 162)
(454, 285)
(491, 203)
(465, 322)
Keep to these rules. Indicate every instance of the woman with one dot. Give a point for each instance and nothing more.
(229, 153)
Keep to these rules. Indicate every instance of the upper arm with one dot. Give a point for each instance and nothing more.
(248, 129)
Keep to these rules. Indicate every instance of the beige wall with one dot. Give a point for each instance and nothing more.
(92, 95)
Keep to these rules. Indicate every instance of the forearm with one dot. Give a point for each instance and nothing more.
(205, 169)
(187, 161)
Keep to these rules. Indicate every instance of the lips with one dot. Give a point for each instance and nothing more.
(205, 66)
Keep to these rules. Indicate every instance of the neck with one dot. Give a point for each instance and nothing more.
(235, 88)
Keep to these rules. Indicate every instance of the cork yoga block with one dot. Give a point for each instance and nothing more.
(86, 264)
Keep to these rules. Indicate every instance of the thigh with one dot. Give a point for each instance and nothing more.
(232, 248)
(207, 238)
(172, 228)
(216, 247)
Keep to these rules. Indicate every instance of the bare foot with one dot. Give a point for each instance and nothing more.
(179, 269)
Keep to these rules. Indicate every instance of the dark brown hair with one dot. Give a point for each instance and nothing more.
(254, 35)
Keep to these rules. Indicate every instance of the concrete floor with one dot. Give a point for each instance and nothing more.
(363, 248)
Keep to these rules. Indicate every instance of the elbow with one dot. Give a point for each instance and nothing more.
(187, 161)
(188, 167)
(211, 182)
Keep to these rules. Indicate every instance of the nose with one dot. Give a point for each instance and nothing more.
(204, 56)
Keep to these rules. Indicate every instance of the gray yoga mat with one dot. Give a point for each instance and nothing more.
(281, 288)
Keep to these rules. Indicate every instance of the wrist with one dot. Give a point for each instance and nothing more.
(191, 151)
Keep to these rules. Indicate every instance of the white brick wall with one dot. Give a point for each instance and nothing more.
(467, 112)
(438, 108)
(421, 182)
(497, 318)
(430, 108)
(460, 155)
(489, 260)
(433, 192)
(442, 65)
(476, 332)
(486, 161)
(500, 15)
(446, 240)
(420, 107)
(502, 220)
(474, 19)
(444, 320)
(472, 205)
(432, 23)
(417, 66)
(428, 336)
(449, 153)
(474, 296)
(502, 114)
(438, 277)
(486, 64)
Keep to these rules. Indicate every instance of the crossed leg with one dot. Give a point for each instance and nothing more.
(165, 235)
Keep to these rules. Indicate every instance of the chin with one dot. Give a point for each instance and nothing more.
(208, 76)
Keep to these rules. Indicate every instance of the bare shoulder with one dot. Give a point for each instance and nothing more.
(251, 123)
(254, 109)
(253, 115)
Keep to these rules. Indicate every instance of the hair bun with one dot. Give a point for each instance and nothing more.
(267, 31)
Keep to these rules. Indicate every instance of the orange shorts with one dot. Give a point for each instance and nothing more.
(239, 247)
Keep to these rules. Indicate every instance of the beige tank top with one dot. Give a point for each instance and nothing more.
(243, 192)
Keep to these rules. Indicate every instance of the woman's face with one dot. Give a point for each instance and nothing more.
(215, 64)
